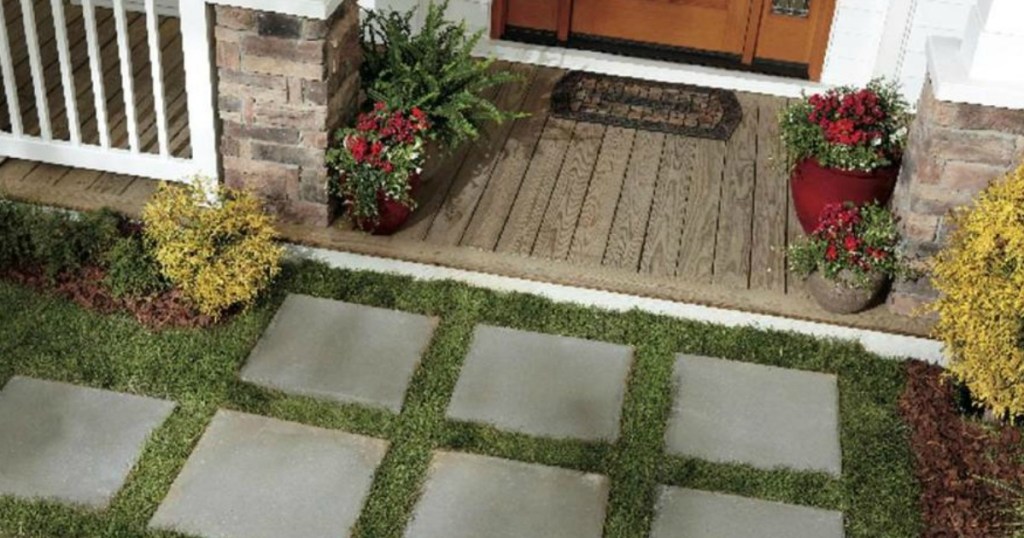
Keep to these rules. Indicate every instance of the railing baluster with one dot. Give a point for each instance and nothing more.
(99, 91)
(197, 43)
(10, 83)
(28, 16)
(127, 81)
(66, 71)
(156, 65)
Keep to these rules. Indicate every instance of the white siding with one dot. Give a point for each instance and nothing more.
(931, 18)
(853, 43)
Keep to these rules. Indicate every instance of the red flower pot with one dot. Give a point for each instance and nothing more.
(815, 187)
(393, 215)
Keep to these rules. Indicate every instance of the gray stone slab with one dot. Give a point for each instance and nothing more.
(543, 385)
(738, 412)
(71, 444)
(257, 477)
(471, 496)
(687, 513)
(340, 351)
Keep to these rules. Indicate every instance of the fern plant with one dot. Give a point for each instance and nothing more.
(433, 69)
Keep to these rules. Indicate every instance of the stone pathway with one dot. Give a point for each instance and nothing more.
(71, 444)
(739, 412)
(256, 477)
(340, 351)
(543, 385)
(470, 496)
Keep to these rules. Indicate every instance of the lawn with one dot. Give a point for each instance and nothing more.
(50, 338)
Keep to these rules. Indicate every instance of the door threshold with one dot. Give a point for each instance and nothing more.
(646, 68)
(653, 51)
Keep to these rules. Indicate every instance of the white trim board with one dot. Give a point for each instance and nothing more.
(885, 344)
(625, 66)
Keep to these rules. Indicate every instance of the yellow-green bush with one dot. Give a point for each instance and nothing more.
(981, 311)
(220, 254)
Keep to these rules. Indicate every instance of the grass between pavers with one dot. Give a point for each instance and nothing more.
(52, 339)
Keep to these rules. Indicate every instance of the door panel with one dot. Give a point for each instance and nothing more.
(795, 31)
(710, 25)
(533, 14)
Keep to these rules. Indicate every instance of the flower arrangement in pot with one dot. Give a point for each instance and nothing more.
(851, 257)
(377, 167)
(844, 145)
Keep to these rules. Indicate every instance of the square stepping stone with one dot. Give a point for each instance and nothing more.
(71, 444)
(340, 351)
(470, 496)
(542, 384)
(688, 513)
(768, 417)
(257, 477)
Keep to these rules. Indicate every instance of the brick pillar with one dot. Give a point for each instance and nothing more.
(954, 151)
(285, 84)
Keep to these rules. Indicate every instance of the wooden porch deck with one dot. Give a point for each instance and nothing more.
(580, 204)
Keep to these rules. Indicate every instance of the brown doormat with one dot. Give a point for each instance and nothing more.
(642, 104)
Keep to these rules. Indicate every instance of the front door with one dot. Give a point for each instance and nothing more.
(786, 36)
(709, 25)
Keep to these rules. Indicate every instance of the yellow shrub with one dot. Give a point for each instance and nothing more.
(219, 254)
(981, 312)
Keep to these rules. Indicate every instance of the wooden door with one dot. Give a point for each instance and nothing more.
(795, 31)
(707, 25)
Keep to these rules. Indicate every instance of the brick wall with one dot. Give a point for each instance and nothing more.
(954, 151)
(285, 84)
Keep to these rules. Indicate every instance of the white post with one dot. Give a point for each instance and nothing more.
(99, 91)
(983, 67)
(127, 75)
(156, 66)
(9, 81)
(199, 80)
(28, 16)
(66, 71)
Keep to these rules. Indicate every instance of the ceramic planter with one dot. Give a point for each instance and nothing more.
(814, 187)
(842, 296)
(393, 215)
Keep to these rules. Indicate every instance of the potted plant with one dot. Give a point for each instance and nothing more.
(844, 145)
(850, 257)
(432, 66)
(377, 166)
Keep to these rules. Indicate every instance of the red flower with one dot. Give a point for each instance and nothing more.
(831, 253)
(851, 243)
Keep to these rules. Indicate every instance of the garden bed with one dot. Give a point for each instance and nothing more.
(963, 465)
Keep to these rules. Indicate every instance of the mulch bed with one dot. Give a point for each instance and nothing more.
(166, 310)
(957, 458)
(679, 109)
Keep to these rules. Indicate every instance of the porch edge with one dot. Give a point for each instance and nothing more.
(884, 344)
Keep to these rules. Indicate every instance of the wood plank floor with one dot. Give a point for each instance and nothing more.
(581, 204)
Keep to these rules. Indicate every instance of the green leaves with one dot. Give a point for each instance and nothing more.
(434, 69)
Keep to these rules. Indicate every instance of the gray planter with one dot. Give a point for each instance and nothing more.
(842, 295)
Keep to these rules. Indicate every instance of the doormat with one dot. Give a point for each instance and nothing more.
(642, 104)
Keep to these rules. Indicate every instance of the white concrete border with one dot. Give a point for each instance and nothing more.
(951, 82)
(885, 344)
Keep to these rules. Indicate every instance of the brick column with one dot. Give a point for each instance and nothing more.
(285, 84)
(954, 151)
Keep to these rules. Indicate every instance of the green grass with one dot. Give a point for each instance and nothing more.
(53, 339)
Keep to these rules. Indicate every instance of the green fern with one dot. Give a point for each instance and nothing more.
(433, 69)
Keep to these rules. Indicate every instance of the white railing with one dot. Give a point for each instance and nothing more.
(100, 153)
